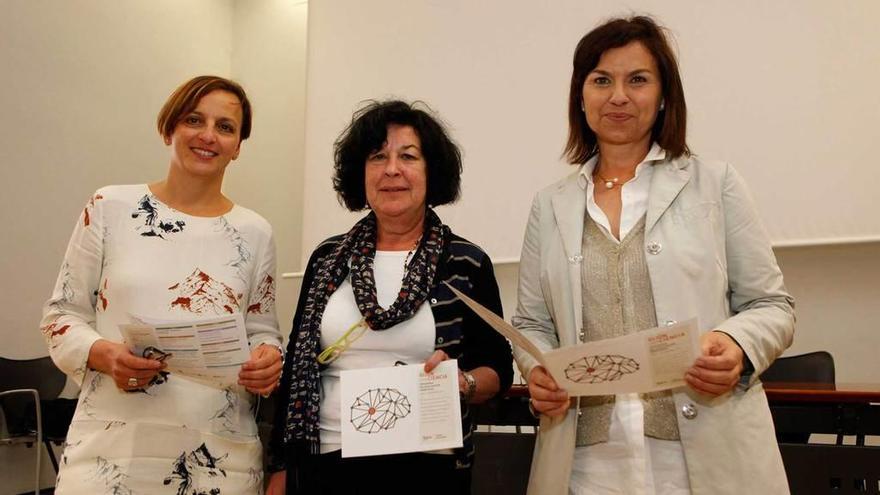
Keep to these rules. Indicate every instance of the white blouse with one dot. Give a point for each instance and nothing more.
(131, 255)
(633, 193)
(630, 462)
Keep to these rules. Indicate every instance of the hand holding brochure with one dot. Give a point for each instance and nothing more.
(645, 361)
(210, 350)
(400, 409)
(653, 359)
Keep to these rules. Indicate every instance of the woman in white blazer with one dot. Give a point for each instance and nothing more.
(646, 233)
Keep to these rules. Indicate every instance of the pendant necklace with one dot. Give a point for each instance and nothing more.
(609, 183)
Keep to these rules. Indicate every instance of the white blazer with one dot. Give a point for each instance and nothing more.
(708, 257)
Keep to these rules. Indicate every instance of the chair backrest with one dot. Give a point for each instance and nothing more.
(812, 367)
(39, 374)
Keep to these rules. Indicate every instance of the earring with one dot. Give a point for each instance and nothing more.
(662, 105)
(583, 109)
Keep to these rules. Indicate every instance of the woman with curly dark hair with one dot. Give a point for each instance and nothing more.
(377, 295)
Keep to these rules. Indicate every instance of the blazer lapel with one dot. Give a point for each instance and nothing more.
(667, 181)
(569, 208)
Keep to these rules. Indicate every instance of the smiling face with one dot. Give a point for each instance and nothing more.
(622, 95)
(206, 139)
(396, 175)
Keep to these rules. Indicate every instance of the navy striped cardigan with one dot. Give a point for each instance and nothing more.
(459, 332)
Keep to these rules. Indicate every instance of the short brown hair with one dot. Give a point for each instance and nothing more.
(186, 97)
(670, 127)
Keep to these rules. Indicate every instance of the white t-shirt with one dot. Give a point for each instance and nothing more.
(410, 341)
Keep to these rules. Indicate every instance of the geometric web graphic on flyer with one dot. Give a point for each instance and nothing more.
(379, 409)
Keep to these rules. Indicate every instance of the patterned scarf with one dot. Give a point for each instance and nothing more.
(358, 248)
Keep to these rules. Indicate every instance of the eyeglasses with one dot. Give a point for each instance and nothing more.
(336, 349)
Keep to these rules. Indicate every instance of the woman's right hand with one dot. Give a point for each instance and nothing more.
(118, 362)
(277, 483)
(547, 397)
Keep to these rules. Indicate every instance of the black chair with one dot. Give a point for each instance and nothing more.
(27, 387)
(812, 367)
(503, 459)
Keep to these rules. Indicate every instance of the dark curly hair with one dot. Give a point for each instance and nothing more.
(367, 133)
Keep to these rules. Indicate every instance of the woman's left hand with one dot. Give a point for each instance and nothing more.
(437, 358)
(486, 379)
(260, 374)
(718, 370)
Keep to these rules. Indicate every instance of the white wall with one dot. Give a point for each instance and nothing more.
(837, 303)
(836, 291)
(82, 83)
(784, 90)
(777, 88)
(269, 60)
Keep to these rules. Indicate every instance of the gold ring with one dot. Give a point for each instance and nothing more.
(132, 382)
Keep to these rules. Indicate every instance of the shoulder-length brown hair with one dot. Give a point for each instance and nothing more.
(670, 128)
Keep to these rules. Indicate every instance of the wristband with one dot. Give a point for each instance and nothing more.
(471, 382)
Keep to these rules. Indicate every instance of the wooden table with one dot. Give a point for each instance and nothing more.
(841, 409)
(823, 392)
(857, 401)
